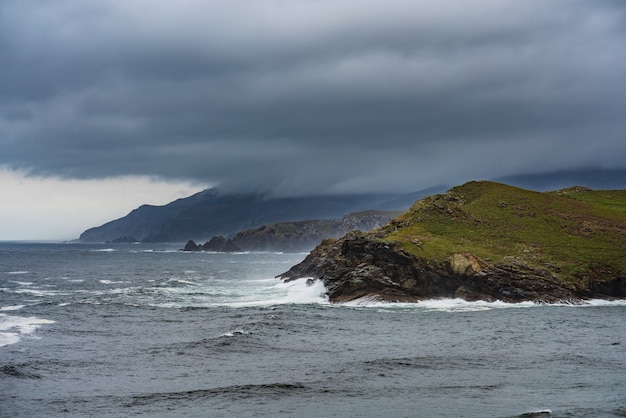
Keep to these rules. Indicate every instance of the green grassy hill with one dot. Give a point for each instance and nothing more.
(577, 234)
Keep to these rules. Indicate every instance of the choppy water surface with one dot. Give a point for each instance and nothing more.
(100, 330)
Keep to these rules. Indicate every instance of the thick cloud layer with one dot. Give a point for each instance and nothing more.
(312, 96)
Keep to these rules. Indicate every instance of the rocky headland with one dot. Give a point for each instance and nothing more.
(298, 236)
(483, 241)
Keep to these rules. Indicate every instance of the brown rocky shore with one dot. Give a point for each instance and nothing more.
(382, 266)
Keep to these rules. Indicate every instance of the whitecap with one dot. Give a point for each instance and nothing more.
(461, 305)
(105, 281)
(603, 302)
(35, 292)
(12, 328)
(442, 305)
(249, 293)
(11, 308)
(22, 283)
(17, 272)
(104, 250)
(236, 332)
(301, 291)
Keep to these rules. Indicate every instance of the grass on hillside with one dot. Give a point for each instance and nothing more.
(571, 232)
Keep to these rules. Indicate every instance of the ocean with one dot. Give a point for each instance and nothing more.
(147, 330)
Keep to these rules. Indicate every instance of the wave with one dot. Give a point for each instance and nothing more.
(13, 328)
(17, 272)
(302, 291)
(461, 305)
(237, 392)
(22, 283)
(11, 308)
(246, 293)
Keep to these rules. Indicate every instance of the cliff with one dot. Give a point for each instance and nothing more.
(483, 241)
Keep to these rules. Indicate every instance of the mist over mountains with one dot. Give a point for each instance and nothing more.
(213, 212)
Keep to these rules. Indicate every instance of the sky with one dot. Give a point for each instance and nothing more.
(109, 104)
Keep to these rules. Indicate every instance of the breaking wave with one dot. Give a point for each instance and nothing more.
(461, 305)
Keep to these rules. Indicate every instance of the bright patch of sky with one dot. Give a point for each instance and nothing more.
(57, 209)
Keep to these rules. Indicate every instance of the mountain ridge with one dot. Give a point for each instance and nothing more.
(210, 213)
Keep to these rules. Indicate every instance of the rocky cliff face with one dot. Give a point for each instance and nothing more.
(357, 266)
(381, 266)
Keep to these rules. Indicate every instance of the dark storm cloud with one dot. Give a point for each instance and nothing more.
(312, 95)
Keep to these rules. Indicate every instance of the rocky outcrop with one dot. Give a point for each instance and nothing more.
(359, 265)
(298, 236)
(216, 244)
(192, 246)
(546, 247)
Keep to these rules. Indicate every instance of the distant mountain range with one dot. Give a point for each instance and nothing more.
(212, 213)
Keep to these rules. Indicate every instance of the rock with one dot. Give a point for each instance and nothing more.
(360, 266)
(191, 246)
(466, 264)
(220, 244)
(230, 247)
(543, 247)
(216, 244)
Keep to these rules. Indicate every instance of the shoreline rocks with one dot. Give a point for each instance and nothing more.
(359, 265)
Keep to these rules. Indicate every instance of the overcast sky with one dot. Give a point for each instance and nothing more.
(299, 96)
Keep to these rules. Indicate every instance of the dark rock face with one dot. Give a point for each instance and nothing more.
(191, 246)
(215, 244)
(302, 236)
(220, 244)
(359, 266)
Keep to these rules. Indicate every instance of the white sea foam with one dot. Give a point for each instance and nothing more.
(105, 281)
(602, 302)
(22, 283)
(302, 291)
(236, 332)
(35, 292)
(13, 328)
(181, 281)
(104, 250)
(11, 308)
(460, 305)
(17, 272)
(248, 293)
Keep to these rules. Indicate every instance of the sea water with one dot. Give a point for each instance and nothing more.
(147, 330)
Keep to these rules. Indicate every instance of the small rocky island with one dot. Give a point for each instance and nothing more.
(483, 241)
